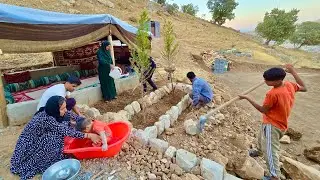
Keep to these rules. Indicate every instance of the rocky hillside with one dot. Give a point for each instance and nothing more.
(194, 35)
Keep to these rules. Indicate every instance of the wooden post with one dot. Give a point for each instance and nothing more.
(3, 106)
(111, 48)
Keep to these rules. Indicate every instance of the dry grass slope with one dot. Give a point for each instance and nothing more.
(194, 35)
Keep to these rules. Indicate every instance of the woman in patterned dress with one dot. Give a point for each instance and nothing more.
(41, 143)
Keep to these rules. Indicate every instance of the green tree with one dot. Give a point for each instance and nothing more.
(307, 33)
(170, 49)
(172, 8)
(176, 6)
(222, 10)
(141, 52)
(190, 9)
(162, 2)
(278, 25)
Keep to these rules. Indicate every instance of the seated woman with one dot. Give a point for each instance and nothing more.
(98, 127)
(41, 142)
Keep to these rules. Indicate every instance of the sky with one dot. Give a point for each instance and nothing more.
(250, 12)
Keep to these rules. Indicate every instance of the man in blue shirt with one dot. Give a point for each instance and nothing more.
(201, 91)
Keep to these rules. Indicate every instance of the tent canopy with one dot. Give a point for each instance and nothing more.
(26, 30)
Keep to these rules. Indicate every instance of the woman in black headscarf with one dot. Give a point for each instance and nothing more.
(105, 65)
(41, 143)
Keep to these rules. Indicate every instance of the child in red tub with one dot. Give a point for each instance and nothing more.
(95, 126)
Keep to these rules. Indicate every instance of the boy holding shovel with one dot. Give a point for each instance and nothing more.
(276, 110)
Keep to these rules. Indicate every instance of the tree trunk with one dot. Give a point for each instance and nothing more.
(300, 45)
(267, 42)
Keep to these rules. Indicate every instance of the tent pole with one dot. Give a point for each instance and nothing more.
(111, 48)
(3, 106)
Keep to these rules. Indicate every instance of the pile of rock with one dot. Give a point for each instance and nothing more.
(158, 160)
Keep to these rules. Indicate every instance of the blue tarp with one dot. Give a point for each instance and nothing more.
(23, 15)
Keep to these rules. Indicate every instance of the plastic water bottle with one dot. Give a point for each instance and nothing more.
(202, 122)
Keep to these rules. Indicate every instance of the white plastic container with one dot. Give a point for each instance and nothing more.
(116, 73)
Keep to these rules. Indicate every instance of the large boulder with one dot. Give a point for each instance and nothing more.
(158, 145)
(297, 170)
(228, 176)
(250, 169)
(191, 127)
(186, 160)
(151, 132)
(211, 169)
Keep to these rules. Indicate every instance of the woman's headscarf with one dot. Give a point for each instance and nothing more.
(52, 108)
(103, 55)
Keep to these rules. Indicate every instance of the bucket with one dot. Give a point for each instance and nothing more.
(115, 73)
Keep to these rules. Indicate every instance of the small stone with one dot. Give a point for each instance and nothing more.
(190, 177)
(191, 127)
(220, 117)
(136, 106)
(160, 127)
(170, 152)
(174, 168)
(175, 177)
(285, 139)
(180, 107)
(159, 145)
(129, 109)
(173, 113)
(141, 137)
(83, 107)
(151, 132)
(196, 170)
(186, 160)
(166, 120)
(170, 131)
(152, 176)
(93, 112)
(106, 3)
(210, 105)
(122, 115)
(159, 93)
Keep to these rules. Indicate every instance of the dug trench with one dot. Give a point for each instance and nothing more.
(146, 117)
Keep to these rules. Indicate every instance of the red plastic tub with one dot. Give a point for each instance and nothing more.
(83, 149)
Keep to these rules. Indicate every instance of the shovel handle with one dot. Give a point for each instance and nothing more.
(232, 100)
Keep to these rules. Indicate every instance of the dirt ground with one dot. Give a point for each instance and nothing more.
(156, 110)
(303, 116)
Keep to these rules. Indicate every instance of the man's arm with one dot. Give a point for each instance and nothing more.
(290, 69)
(196, 94)
(263, 109)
